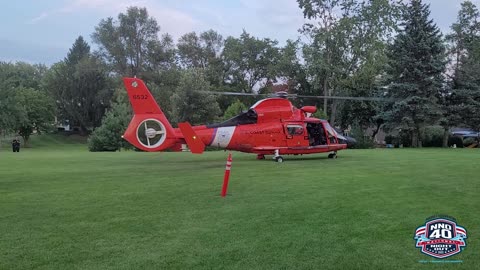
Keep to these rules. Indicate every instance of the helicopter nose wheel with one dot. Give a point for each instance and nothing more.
(332, 155)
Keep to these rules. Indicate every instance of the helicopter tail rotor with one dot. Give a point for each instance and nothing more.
(149, 128)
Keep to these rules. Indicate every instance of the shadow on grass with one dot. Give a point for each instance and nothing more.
(287, 158)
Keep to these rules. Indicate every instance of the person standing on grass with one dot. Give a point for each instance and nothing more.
(16, 145)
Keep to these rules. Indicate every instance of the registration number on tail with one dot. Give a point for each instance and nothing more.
(139, 96)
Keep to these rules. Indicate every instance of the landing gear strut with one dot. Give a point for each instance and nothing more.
(260, 156)
(277, 156)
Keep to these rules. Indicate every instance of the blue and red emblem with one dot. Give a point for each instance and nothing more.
(441, 237)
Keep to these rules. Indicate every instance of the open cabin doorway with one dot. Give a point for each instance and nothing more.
(316, 134)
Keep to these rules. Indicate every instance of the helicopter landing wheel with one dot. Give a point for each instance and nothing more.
(332, 155)
(260, 156)
(277, 156)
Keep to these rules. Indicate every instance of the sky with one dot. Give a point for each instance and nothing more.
(42, 31)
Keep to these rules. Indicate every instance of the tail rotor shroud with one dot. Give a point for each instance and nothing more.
(151, 133)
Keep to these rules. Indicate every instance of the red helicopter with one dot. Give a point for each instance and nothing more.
(272, 126)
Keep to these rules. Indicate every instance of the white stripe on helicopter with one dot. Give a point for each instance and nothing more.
(223, 136)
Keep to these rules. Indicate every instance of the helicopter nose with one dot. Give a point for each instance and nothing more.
(351, 141)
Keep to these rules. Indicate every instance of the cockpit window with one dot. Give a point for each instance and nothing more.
(295, 130)
(245, 118)
(332, 134)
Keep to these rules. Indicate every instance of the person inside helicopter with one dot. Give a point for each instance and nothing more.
(316, 134)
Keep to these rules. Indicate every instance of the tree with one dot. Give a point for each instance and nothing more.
(249, 62)
(37, 112)
(21, 74)
(469, 88)
(234, 109)
(345, 36)
(10, 112)
(202, 51)
(461, 98)
(197, 51)
(415, 69)
(131, 44)
(163, 87)
(108, 137)
(188, 101)
(290, 69)
(77, 53)
(362, 113)
(465, 34)
(80, 86)
(15, 76)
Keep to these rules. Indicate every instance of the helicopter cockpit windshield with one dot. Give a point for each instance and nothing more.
(245, 118)
(333, 135)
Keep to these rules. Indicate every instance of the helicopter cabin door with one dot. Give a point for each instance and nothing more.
(296, 135)
(316, 134)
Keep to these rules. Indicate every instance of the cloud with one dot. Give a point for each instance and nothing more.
(277, 19)
(106, 5)
(13, 51)
(276, 12)
(38, 18)
(171, 20)
(217, 18)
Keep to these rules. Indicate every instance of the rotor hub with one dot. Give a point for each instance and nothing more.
(150, 133)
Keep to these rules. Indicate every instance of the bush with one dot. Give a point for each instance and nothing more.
(404, 139)
(469, 141)
(433, 137)
(457, 140)
(364, 141)
(107, 137)
(390, 139)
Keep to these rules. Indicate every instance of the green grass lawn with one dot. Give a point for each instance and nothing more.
(67, 208)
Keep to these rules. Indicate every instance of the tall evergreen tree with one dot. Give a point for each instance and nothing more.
(80, 86)
(108, 136)
(79, 50)
(415, 73)
(462, 98)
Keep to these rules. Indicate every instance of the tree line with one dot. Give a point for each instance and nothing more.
(369, 48)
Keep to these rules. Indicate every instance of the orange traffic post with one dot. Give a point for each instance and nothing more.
(227, 175)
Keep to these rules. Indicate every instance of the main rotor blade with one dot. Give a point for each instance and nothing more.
(302, 96)
(231, 93)
(348, 98)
